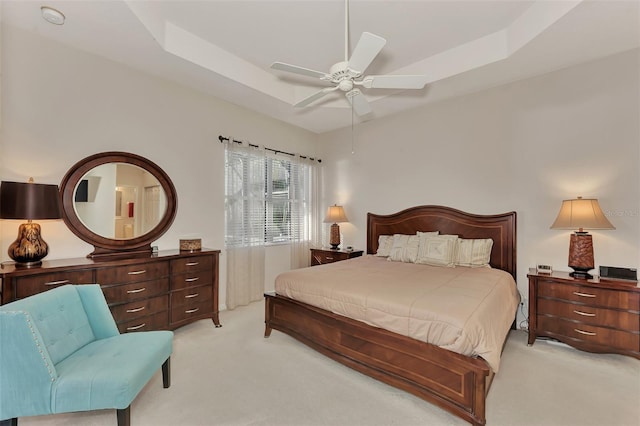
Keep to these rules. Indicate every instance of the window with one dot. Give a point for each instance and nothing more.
(266, 197)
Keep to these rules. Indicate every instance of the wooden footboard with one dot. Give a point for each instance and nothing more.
(454, 382)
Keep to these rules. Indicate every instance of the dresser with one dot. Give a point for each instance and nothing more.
(324, 256)
(594, 315)
(161, 291)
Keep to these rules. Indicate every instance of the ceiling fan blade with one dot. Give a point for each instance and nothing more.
(281, 66)
(359, 103)
(394, 81)
(366, 50)
(306, 101)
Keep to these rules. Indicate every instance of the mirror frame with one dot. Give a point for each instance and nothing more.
(108, 246)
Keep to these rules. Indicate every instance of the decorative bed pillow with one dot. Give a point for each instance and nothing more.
(427, 234)
(438, 250)
(474, 253)
(405, 248)
(385, 242)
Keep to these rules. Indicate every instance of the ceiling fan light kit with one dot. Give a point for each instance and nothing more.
(349, 73)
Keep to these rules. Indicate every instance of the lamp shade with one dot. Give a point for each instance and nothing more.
(29, 201)
(335, 214)
(581, 214)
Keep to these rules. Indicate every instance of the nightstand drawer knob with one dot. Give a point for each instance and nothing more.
(577, 293)
(584, 314)
(587, 333)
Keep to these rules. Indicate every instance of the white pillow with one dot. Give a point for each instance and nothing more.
(427, 234)
(405, 248)
(385, 242)
(438, 250)
(474, 252)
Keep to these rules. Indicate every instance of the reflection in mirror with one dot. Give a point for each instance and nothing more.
(119, 201)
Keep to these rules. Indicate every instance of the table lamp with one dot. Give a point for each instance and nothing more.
(581, 214)
(30, 201)
(336, 215)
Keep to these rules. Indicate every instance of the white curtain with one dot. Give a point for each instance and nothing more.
(244, 223)
(304, 193)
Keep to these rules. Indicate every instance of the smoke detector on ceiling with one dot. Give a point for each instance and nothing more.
(52, 15)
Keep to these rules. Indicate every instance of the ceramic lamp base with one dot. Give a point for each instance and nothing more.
(581, 255)
(29, 248)
(335, 236)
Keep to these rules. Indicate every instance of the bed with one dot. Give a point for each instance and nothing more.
(450, 380)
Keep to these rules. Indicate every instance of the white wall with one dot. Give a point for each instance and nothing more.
(525, 146)
(60, 105)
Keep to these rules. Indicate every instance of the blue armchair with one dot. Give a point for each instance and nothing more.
(60, 351)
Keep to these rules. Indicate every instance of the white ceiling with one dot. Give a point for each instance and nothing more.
(225, 48)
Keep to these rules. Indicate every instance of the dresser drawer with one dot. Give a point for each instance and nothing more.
(128, 292)
(140, 308)
(157, 321)
(191, 264)
(191, 296)
(34, 284)
(187, 312)
(605, 337)
(590, 315)
(191, 279)
(589, 295)
(132, 273)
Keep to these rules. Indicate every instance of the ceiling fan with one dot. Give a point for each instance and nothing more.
(349, 74)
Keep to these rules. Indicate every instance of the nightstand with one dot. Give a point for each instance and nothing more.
(594, 315)
(324, 256)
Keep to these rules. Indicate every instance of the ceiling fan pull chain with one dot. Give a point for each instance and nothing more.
(353, 151)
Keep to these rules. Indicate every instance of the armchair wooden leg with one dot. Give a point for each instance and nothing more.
(9, 422)
(166, 373)
(124, 416)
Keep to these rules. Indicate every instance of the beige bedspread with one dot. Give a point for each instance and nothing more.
(465, 310)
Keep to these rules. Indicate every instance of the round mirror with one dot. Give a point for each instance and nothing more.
(119, 202)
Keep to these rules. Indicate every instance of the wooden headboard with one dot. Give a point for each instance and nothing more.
(501, 228)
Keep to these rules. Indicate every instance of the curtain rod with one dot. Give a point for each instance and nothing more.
(276, 151)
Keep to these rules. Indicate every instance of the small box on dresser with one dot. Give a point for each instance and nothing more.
(594, 315)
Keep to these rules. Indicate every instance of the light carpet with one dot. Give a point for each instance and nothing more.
(234, 376)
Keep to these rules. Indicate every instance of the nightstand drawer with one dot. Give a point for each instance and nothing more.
(322, 256)
(590, 315)
(325, 257)
(589, 295)
(606, 337)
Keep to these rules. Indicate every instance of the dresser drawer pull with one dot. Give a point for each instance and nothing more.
(57, 282)
(136, 327)
(131, 311)
(577, 293)
(192, 263)
(329, 258)
(190, 311)
(138, 290)
(587, 333)
(189, 296)
(190, 280)
(584, 314)
(137, 272)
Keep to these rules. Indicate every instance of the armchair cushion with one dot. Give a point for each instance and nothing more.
(109, 373)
